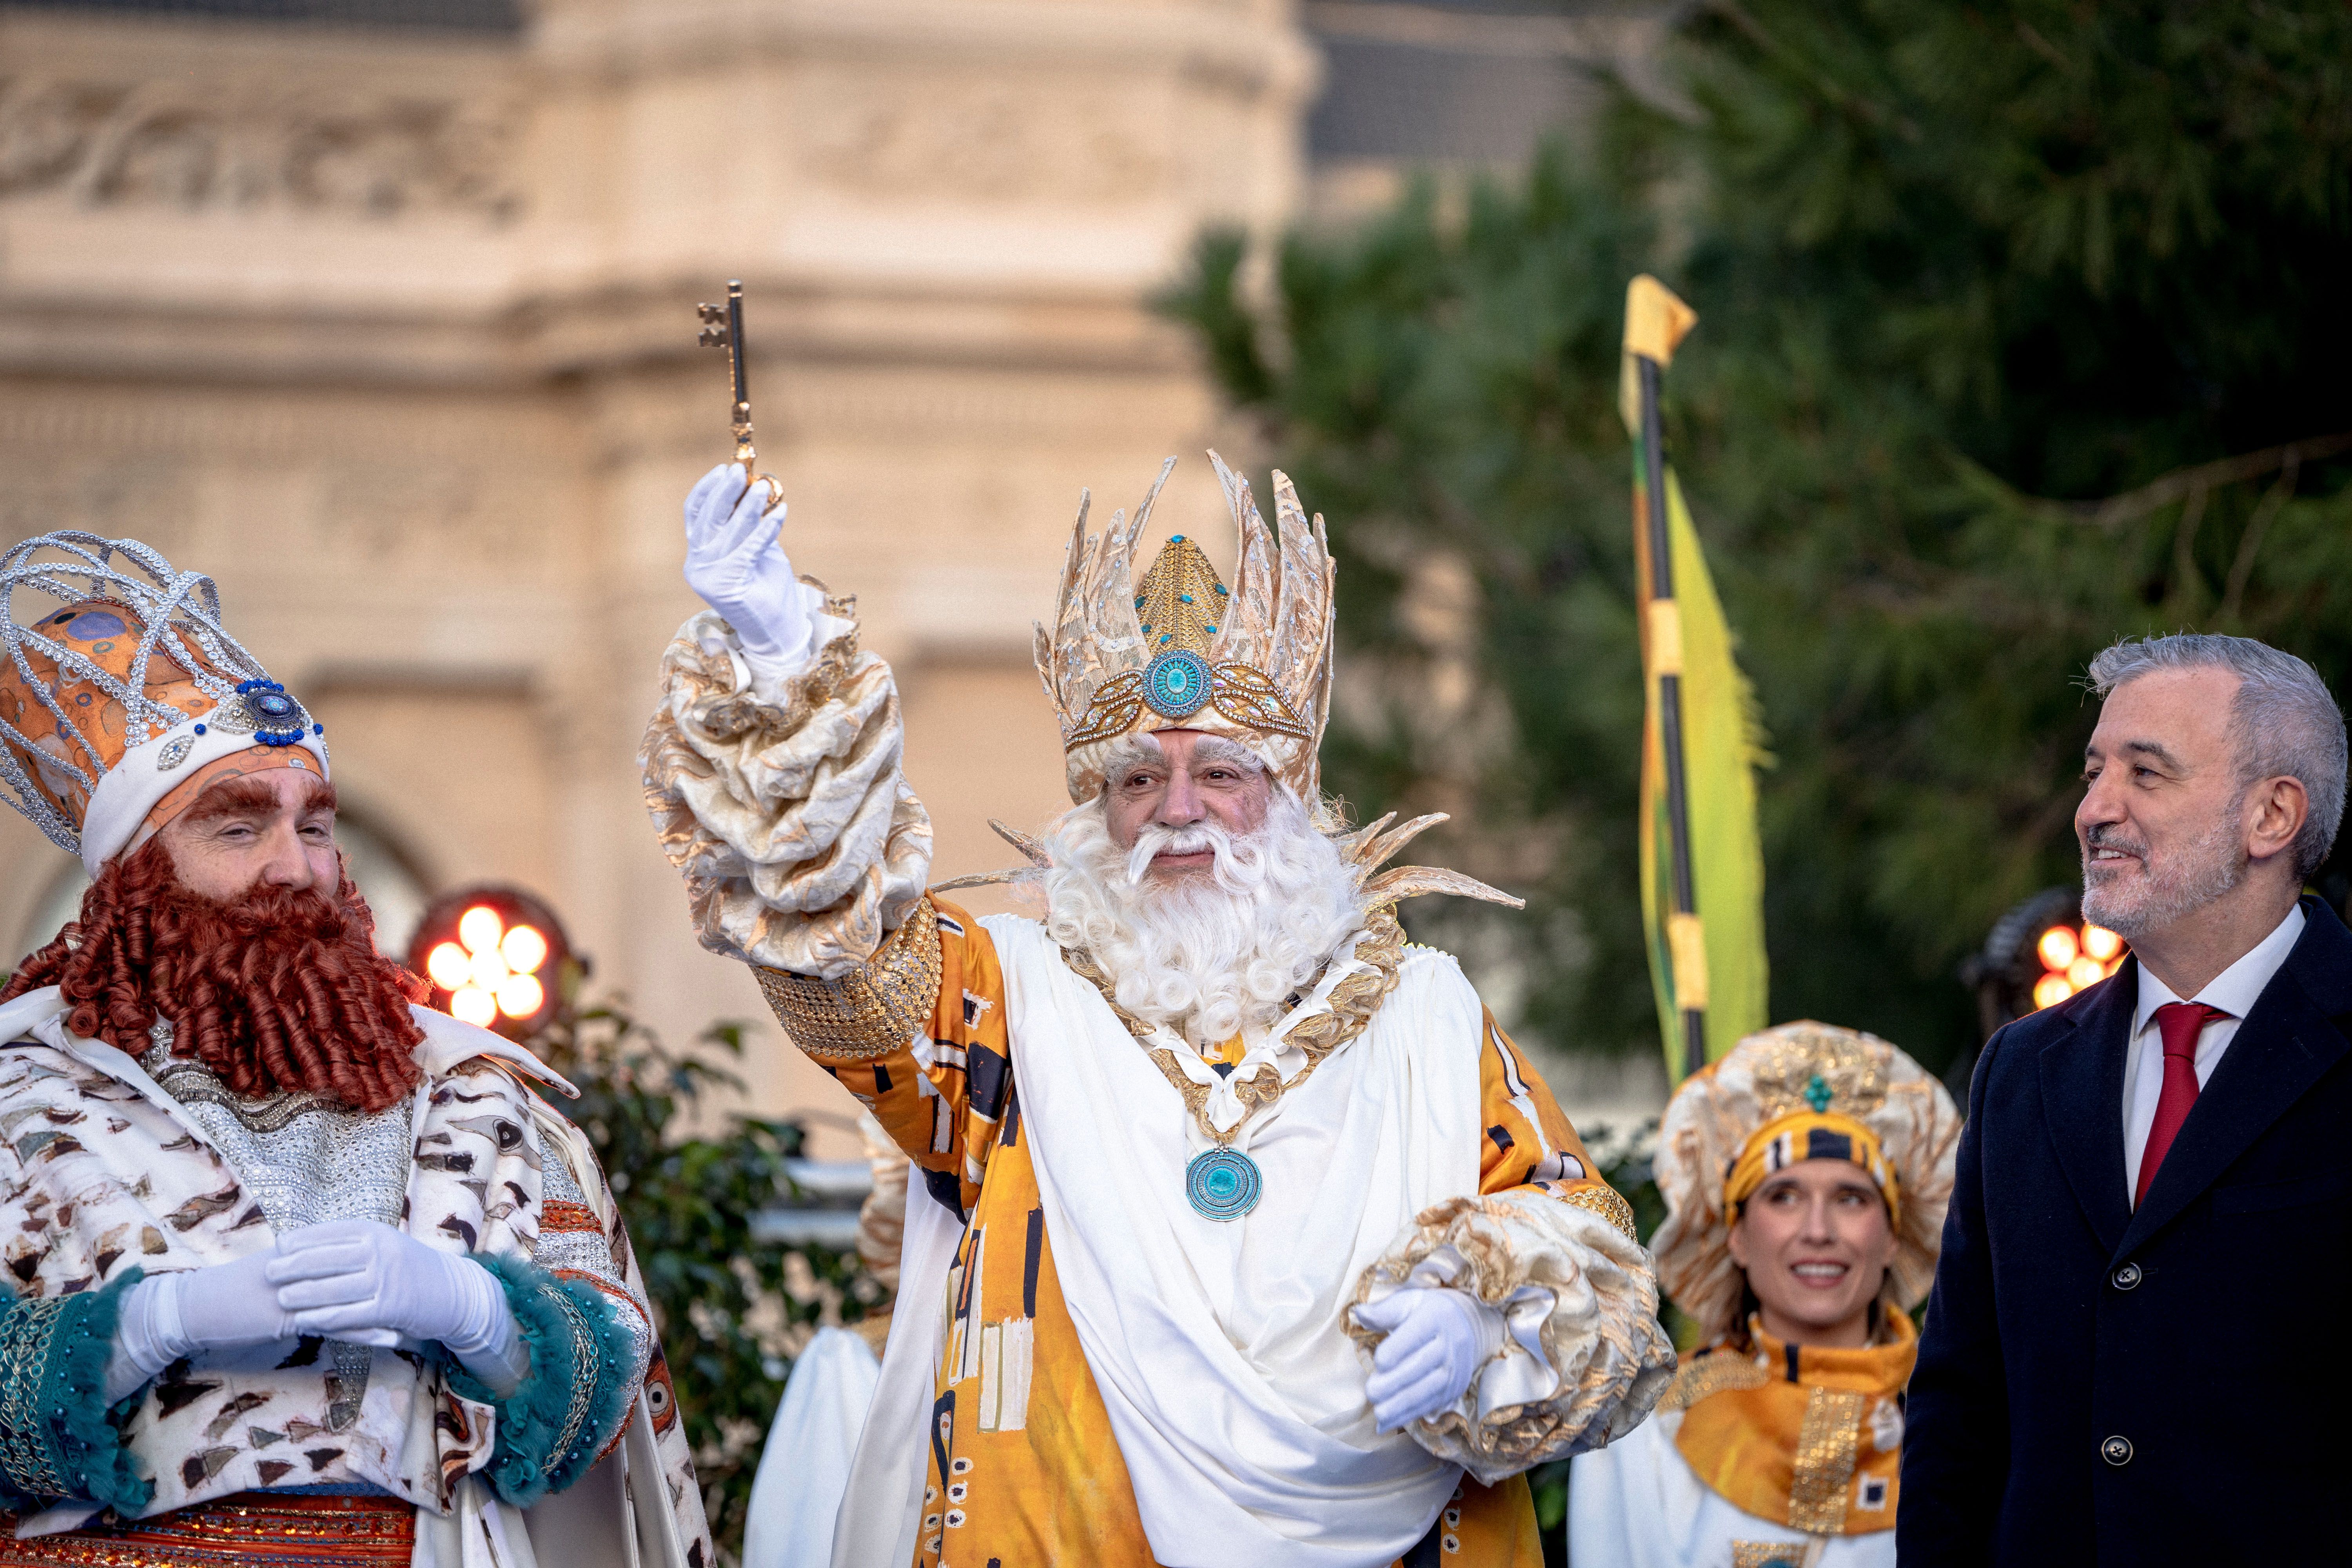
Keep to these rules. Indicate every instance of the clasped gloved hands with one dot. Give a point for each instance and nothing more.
(357, 1280)
(734, 562)
(1438, 1338)
(361, 1281)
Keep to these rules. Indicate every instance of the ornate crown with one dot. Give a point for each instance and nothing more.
(116, 709)
(1176, 650)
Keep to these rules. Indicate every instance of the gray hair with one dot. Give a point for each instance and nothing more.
(2283, 720)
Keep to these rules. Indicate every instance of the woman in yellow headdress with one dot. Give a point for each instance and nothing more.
(1805, 1176)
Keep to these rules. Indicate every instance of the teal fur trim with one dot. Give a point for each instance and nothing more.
(575, 1396)
(57, 1440)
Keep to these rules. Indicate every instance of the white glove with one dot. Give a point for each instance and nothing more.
(1438, 1338)
(225, 1306)
(734, 562)
(362, 1281)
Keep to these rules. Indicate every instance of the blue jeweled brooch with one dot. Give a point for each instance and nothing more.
(1176, 684)
(262, 709)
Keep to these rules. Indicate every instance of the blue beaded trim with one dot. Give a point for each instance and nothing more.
(1176, 683)
(1223, 1183)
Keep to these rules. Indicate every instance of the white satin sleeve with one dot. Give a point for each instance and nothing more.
(777, 793)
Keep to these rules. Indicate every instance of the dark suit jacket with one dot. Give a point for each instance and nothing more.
(2100, 1384)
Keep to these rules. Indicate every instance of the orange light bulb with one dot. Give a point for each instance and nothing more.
(479, 929)
(449, 966)
(2057, 949)
(521, 996)
(524, 950)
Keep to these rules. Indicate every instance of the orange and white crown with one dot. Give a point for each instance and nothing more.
(1177, 651)
(119, 709)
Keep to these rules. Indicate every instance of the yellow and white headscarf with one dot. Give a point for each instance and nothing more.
(1796, 1092)
(1808, 1134)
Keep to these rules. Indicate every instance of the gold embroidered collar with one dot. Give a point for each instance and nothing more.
(1805, 1435)
(1378, 951)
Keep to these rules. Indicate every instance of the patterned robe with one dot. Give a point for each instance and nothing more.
(107, 1175)
(804, 854)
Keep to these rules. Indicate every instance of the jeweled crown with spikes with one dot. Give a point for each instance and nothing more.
(1178, 650)
(124, 689)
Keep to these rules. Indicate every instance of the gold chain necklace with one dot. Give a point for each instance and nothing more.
(1223, 1183)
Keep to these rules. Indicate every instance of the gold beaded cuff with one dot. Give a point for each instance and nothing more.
(873, 1011)
(1609, 1204)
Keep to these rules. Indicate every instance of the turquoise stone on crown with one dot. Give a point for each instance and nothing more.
(1176, 683)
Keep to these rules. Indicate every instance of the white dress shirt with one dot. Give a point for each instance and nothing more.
(2233, 991)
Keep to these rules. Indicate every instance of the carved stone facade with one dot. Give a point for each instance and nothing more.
(392, 333)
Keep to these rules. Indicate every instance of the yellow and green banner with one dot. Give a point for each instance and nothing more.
(1702, 860)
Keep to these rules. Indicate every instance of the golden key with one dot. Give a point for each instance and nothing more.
(722, 327)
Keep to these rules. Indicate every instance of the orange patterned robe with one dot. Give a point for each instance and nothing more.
(1023, 1466)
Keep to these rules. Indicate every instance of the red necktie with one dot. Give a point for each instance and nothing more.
(2180, 1022)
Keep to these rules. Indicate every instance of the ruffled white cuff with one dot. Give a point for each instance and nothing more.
(776, 790)
(1582, 1359)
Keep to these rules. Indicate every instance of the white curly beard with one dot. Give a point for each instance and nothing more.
(1209, 953)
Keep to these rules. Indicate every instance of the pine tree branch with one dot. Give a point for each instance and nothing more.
(2177, 485)
(1820, 81)
(2242, 568)
(2182, 483)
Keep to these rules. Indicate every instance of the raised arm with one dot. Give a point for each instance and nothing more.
(772, 762)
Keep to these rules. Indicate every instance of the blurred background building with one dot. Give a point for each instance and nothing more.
(380, 312)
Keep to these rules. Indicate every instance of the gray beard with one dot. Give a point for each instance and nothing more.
(2195, 875)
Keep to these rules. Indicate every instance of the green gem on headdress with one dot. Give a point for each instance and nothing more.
(1817, 1094)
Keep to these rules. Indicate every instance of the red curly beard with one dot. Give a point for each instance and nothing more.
(281, 989)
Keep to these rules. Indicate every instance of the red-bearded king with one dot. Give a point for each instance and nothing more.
(293, 1263)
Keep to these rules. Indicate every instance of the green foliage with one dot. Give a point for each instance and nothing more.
(1963, 273)
(726, 1307)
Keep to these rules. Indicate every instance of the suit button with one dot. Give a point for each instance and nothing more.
(2127, 1277)
(2116, 1450)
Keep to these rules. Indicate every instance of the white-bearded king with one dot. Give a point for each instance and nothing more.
(296, 1271)
(1243, 1234)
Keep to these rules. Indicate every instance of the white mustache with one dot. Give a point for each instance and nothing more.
(1156, 840)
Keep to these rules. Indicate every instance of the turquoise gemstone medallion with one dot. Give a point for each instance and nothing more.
(1223, 1183)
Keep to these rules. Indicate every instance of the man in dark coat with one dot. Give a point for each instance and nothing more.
(2126, 1357)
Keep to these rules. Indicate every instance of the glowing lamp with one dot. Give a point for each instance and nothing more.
(497, 958)
(479, 928)
(524, 949)
(448, 966)
(2072, 958)
(520, 995)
